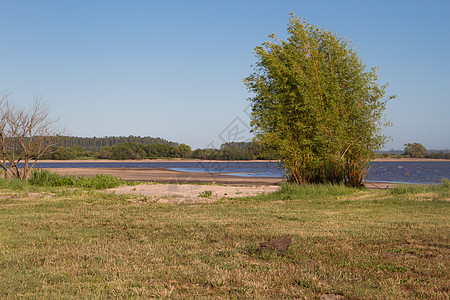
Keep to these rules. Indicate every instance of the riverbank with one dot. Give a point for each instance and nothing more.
(169, 176)
(163, 160)
(192, 171)
(178, 177)
(186, 171)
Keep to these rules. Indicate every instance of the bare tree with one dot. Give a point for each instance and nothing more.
(25, 136)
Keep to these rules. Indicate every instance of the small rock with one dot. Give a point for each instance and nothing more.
(279, 245)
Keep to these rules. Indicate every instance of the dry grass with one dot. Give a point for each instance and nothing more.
(358, 244)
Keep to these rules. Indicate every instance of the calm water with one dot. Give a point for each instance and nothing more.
(404, 172)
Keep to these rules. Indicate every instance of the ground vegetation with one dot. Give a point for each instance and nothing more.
(60, 242)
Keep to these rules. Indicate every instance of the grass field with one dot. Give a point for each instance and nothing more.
(76, 243)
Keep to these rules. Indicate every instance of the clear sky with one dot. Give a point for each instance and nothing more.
(173, 69)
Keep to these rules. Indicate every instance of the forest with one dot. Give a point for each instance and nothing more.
(135, 147)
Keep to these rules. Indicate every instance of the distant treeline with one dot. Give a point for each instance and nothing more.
(136, 147)
(109, 141)
(121, 148)
(433, 155)
(438, 155)
(234, 151)
(415, 150)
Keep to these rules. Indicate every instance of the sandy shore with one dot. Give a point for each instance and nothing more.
(152, 175)
(192, 193)
(182, 193)
(169, 176)
(163, 185)
(168, 186)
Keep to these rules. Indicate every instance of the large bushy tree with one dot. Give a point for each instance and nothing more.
(316, 105)
(415, 150)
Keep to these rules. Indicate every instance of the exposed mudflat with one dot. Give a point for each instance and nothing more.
(178, 193)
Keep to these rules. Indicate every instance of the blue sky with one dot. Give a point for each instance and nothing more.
(173, 69)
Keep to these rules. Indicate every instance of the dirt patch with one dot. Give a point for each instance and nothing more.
(9, 198)
(179, 193)
(380, 185)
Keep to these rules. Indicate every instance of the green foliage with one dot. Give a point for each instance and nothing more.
(141, 151)
(212, 154)
(123, 151)
(160, 151)
(100, 182)
(68, 153)
(105, 153)
(121, 147)
(235, 151)
(206, 194)
(14, 184)
(109, 141)
(415, 150)
(316, 106)
(183, 151)
(439, 155)
(41, 177)
(409, 189)
(62, 153)
(290, 191)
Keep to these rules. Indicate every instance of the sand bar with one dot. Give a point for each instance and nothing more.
(168, 186)
(169, 176)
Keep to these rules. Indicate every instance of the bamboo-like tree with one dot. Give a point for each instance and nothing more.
(316, 105)
(25, 136)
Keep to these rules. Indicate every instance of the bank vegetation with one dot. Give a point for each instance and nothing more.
(73, 242)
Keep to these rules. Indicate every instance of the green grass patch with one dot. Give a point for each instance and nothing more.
(206, 194)
(42, 177)
(309, 191)
(442, 189)
(13, 184)
(357, 243)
